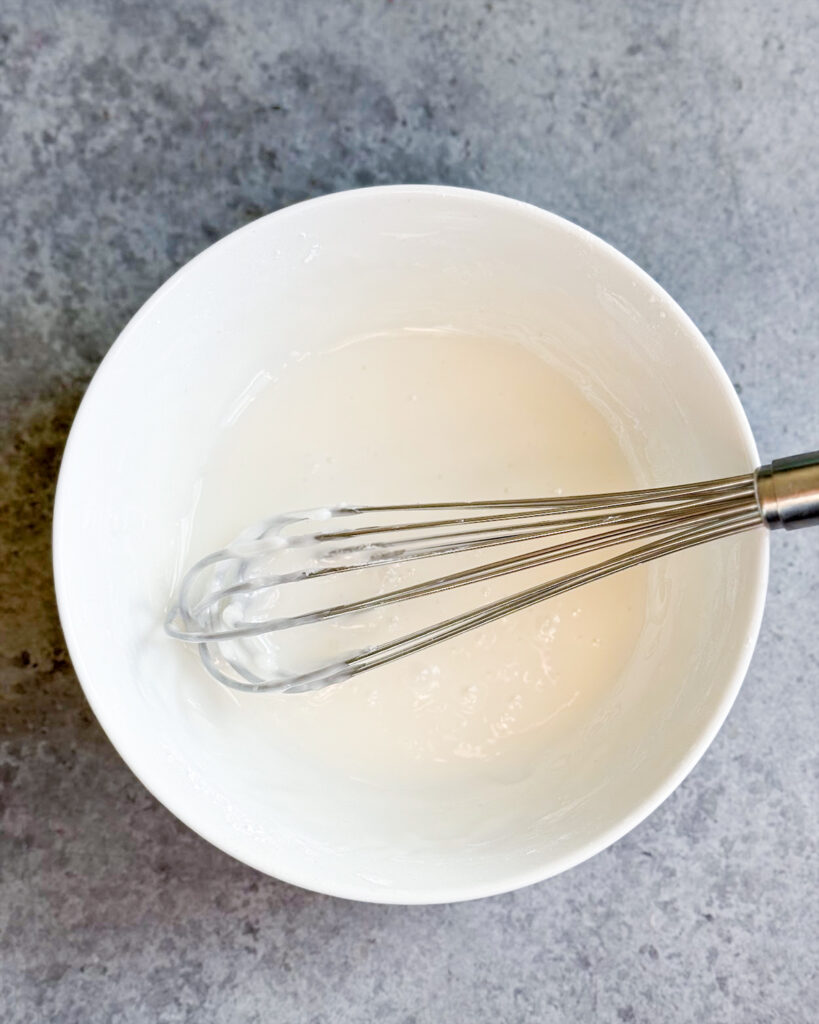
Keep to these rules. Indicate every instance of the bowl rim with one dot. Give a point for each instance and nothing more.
(353, 887)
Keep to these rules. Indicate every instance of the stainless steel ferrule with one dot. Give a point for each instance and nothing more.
(787, 491)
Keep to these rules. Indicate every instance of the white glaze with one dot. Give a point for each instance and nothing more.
(428, 416)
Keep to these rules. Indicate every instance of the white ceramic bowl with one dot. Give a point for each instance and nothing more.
(325, 269)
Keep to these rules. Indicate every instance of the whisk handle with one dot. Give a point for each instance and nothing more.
(787, 491)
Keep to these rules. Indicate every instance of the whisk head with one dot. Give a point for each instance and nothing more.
(282, 607)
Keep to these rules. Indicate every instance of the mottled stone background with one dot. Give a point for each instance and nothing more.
(134, 133)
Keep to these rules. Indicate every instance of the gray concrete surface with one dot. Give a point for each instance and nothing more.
(136, 132)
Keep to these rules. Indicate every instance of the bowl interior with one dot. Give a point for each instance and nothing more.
(342, 266)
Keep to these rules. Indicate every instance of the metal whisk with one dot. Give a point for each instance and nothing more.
(238, 604)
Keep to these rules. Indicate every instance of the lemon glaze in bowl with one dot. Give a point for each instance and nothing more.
(364, 263)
